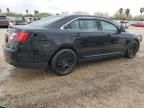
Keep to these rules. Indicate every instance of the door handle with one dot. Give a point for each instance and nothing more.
(108, 35)
(77, 35)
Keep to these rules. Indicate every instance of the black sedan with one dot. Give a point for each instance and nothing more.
(60, 42)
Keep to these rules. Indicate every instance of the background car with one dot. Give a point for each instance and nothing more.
(17, 21)
(4, 21)
(60, 42)
(36, 18)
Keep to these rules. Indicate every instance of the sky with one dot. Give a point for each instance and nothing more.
(58, 6)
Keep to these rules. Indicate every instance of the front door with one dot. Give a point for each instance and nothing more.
(115, 41)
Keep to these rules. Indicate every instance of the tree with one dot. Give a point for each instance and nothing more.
(141, 10)
(118, 15)
(36, 12)
(8, 10)
(122, 16)
(43, 14)
(121, 11)
(127, 12)
(27, 11)
(0, 10)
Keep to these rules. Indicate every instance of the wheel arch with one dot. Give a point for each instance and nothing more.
(138, 42)
(135, 39)
(65, 46)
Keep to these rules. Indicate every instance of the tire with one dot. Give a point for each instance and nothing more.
(64, 61)
(132, 49)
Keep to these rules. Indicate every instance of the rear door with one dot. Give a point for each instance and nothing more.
(86, 36)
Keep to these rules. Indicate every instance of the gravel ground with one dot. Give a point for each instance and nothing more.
(111, 83)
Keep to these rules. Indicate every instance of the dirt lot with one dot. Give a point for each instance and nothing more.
(112, 83)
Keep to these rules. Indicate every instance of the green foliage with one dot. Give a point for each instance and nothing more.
(27, 11)
(42, 15)
(36, 14)
(8, 10)
(119, 15)
(141, 10)
(121, 10)
(11, 14)
(127, 12)
(28, 15)
(138, 18)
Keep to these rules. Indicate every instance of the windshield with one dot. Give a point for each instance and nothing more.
(45, 21)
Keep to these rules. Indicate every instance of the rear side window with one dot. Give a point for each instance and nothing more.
(45, 21)
(88, 24)
(2, 17)
(73, 25)
(82, 24)
(108, 27)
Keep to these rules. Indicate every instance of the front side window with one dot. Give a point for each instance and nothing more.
(108, 27)
(82, 24)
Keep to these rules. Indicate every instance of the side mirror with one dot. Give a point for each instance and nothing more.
(122, 29)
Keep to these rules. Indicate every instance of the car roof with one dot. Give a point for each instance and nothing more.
(92, 16)
(67, 18)
(88, 16)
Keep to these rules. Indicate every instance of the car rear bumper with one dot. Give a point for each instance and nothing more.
(9, 58)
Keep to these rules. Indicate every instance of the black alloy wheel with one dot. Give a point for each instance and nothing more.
(132, 49)
(64, 61)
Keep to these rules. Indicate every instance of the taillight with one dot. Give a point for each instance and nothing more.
(19, 37)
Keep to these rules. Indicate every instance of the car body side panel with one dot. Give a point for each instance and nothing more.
(115, 43)
(46, 42)
(88, 43)
(43, 43)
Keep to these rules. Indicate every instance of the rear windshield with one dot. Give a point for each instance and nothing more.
(2, 17)
(45, 21)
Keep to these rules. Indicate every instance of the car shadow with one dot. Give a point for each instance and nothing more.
(31, 74)
(3, 27)
(99, 60)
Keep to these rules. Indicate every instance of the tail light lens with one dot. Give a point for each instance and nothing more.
(19, 37)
